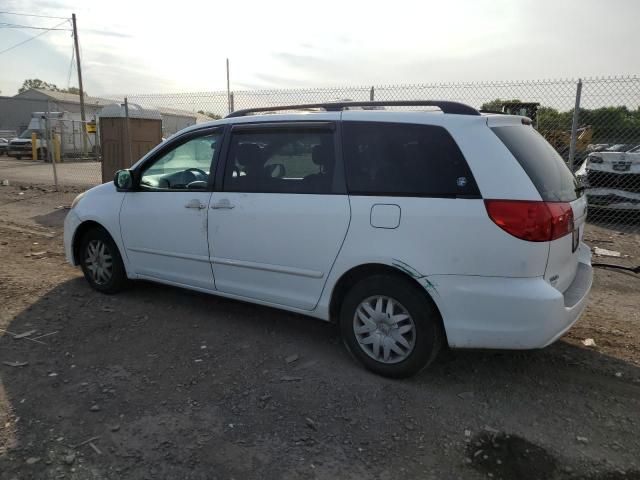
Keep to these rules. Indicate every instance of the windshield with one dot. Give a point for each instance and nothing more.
(27, 133)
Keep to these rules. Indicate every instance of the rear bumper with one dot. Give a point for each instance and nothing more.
(510, 313)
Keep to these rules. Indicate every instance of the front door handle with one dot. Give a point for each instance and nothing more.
(222, 204)
(195, 203)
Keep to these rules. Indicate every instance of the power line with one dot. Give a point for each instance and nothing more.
(32, 15)
(13, 25)
(32, 38)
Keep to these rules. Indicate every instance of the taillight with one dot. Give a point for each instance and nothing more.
(533, 221)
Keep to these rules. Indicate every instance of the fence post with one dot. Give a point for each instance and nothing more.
(371, 94)
(73, 134)
(574, 125)
(128, 129)
(229, 94)
(50, 152)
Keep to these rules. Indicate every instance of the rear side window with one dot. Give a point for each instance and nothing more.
(399, 159)
(546, 169)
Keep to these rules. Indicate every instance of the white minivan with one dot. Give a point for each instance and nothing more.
(410, 228)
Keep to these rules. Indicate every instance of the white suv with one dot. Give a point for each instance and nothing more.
(410, 229)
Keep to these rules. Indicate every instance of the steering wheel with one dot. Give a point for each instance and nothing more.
(196, 170)
(196, 175)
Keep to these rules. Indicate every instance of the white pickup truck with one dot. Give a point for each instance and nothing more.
(67, 126)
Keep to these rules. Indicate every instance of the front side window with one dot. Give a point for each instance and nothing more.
(281, 161)
(185, 167)
(398, 159)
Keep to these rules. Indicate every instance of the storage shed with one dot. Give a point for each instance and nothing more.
(143, 133)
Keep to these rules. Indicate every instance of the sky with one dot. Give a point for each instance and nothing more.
(130, 47)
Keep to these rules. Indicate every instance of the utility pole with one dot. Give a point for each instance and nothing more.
(82, 114)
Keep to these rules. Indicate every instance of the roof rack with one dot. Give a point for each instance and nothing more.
(455, 108)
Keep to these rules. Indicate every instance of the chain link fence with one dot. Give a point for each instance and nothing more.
(48, 143)
(593, 123)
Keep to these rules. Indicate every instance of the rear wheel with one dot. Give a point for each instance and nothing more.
(390, 326)
(101, 262)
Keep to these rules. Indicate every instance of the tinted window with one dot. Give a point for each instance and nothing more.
(546, 169)
(281, 161)
(404, 159)
(185, 166)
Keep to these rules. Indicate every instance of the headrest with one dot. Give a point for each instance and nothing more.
(248, 154)
(323, 155)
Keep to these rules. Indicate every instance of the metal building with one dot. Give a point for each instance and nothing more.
(15, 112)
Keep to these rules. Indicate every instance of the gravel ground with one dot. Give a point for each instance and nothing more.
(158, 382)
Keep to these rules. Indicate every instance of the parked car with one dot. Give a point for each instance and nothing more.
(612, 179)
(412, 230)
(4, 146)
(619, 147)
(597, 147)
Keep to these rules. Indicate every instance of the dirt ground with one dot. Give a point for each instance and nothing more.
(158, 382)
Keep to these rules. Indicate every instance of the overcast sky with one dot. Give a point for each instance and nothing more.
(131, 47)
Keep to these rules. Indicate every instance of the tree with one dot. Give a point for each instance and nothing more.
(493, 105)
(42, 85)
(74, 90)
(212, 115)
(36, 83)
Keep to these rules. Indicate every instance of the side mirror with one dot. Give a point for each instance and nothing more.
(123, 180)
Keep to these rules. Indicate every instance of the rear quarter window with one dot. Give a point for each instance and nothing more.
(400, 159)
(546, 169)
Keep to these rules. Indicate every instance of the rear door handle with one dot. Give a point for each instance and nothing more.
(222, 204)
(195, 203)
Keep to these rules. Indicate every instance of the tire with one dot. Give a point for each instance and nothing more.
(18, 157)
(421, 331)
(101, 262)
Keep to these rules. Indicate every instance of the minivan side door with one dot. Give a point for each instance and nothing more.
(164, 222)
(282, 214)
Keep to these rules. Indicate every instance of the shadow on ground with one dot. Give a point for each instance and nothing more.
(159, 382)
(53, 219)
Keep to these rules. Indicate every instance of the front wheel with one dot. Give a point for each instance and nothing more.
(101, 262)
(390, 326)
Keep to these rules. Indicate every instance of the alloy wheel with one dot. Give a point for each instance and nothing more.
(99, 262)
(384, 329)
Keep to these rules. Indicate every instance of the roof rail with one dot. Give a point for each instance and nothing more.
(455, 108)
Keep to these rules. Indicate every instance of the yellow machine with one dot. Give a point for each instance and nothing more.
(558, 138)
(561, 140)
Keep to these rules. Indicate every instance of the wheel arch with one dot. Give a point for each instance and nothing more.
(82, 229)
(349, 278)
